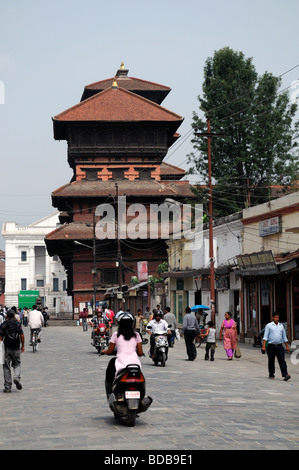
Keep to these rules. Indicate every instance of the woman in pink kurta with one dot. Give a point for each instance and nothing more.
(128, 346)
(126, 350)
(230, 336)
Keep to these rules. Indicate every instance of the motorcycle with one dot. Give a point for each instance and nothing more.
(128, 394)
(161, 346)
(100, 337)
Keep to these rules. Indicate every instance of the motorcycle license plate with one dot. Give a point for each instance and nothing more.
(133, 394)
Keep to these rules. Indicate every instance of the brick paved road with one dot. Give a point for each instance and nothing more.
(197, 405)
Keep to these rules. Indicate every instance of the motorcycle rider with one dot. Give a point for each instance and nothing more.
(35, 321)
(129, 347)
(154, 326)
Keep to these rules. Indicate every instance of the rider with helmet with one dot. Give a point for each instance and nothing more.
(128, 345)
(155, 325)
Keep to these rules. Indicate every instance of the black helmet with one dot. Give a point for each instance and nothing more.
(125, 316)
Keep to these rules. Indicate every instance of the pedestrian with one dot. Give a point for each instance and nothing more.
(45, 315)
(171, 320)
(275, 336)
(159, 310)
(230, 335)
(210, 334)
(109, 316)
(137, 322)
(35, 321)
(152, 315)
(12, 335)
(84, 315)
(190, 330)
(147, 313)
(25, 316)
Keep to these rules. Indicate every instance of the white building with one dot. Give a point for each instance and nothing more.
(29, 267)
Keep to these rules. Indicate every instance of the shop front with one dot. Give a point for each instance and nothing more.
(269, 284)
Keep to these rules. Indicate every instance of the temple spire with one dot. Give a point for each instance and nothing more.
(122, 71)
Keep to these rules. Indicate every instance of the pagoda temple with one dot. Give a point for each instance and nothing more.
(117, 137)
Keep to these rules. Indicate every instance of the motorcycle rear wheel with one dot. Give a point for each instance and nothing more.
(131, 417)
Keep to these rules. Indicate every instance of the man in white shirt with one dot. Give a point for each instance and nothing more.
(154, 326)
(36, 321)
(275, 336)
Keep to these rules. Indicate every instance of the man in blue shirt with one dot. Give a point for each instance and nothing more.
(275, 335)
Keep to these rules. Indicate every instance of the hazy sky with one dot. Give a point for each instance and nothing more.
(51, 49)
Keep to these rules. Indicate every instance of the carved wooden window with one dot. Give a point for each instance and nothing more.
(91, 174)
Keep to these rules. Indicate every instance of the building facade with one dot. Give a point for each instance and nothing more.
(269, 266)
(256, 268)
(189, 275)
(30, 271)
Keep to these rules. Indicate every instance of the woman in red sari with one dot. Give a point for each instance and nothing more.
(230, 335)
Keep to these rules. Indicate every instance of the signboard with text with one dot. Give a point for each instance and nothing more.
(269, 226)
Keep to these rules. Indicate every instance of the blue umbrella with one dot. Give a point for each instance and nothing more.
(199, 307)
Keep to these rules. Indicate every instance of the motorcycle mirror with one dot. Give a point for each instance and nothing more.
(169, 326)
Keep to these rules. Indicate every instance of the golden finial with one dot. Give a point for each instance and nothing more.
(122, 66)
(114, 83)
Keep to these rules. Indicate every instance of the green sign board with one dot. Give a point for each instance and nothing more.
(27, 298)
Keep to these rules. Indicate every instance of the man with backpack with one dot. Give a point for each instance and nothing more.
(12, 335)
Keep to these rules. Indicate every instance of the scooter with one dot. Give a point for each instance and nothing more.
(128, 398)
(100, 337)
(160, 353)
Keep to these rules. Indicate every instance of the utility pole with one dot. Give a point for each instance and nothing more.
(208, 134)
(119, 257)
(94, 265)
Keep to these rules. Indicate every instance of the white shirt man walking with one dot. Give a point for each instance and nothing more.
(275, 336)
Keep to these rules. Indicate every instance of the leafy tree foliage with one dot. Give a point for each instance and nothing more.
(256, 149)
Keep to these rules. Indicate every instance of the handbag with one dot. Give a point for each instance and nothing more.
(237, 353)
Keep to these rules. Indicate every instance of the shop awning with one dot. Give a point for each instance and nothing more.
(137, 286)
(195, 272)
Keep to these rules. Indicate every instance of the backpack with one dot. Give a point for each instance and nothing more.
(12, 335)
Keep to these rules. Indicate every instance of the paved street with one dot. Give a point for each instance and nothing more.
(197, 405)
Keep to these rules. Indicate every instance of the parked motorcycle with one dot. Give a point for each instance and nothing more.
(128, 394)
(100, 337)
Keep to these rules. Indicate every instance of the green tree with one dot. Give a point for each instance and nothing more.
(256, 149)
